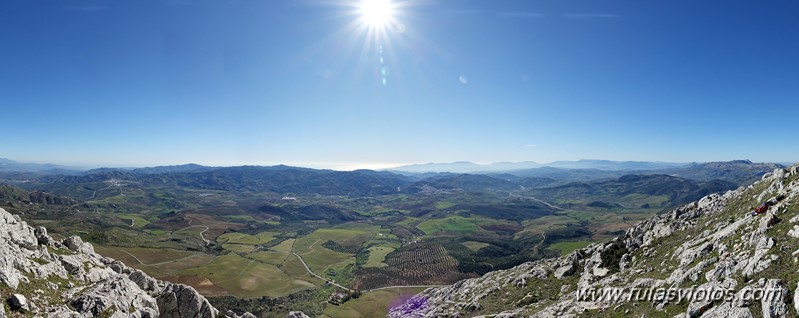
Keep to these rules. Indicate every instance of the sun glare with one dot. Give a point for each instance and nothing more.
(376, 13)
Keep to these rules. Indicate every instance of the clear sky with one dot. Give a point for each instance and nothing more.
(224, 82)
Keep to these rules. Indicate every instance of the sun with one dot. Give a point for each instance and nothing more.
(376, 13)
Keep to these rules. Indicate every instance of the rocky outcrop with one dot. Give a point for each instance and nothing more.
(118, 294)
(68, 279)
(183, 301)
(297, 314)
(714, 244)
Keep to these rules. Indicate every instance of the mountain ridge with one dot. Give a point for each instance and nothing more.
(713, 243)
(470, 167)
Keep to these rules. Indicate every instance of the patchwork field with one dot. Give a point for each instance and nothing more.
(534, 228)
(242, 238)
(156, 262)
(377, 256)
(248, 278)
(321, 259)
(239, 248)
(270, 257)
(448, 224)
(285, 246)
(371, 304)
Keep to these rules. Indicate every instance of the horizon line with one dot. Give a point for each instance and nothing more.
(352, 166)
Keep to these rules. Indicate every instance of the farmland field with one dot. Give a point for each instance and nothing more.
(270, 257)
(285, 246)
(239, 248)
(377, 256)
(372, 304)
(475, 246)
(248, 278)
(242, 238)
(449, 224)
(157, 262)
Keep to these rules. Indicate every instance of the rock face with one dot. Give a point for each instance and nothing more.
(81, 283)
(714, 244)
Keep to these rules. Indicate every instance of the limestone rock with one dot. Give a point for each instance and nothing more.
(42, 237)
(568, 266)
(179, 300)
(17, 232)
(76, 244)
(145, 282)
(232, 314)
(18, 302)
(73, 264)
(774, 302)
(297, 314)
(119, 294)
(794, 232)
(796, 299)
(566, 270)
(727, 310)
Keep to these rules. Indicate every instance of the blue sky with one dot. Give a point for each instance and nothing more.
(223, 82)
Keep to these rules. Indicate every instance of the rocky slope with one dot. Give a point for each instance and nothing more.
(42, 277)
(711, 245)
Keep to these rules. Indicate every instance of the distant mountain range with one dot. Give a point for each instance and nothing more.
(677, 190)
(275, 179)
(286, 179)
(9, 165)
(469, 167)
(736, 171)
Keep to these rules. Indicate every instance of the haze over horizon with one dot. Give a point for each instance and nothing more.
(351, 166)
(322, 84)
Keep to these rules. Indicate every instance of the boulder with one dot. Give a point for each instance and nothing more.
(178, 300)
(727, 310)
(17, 232)
(566, 270)
(73, 264)
(18, 302)
(76, 244)
(794, 232)
(568, 266)
(41, 236)
(145, 282)
(9, 274)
